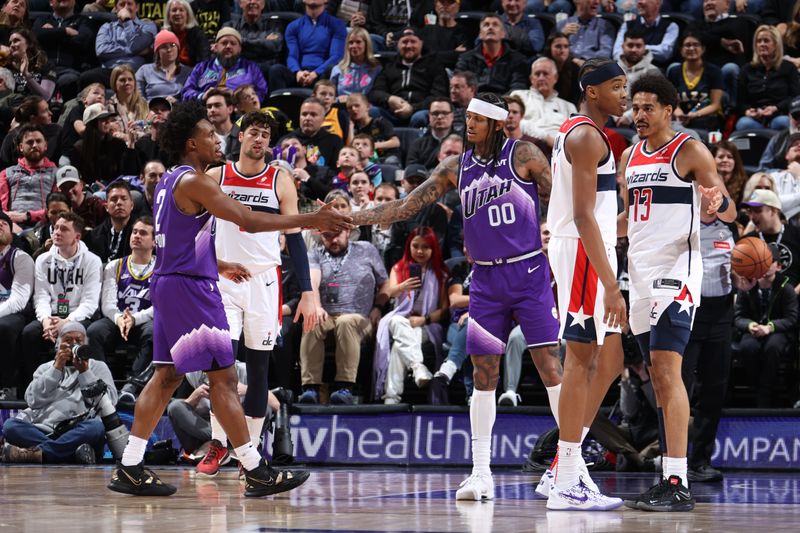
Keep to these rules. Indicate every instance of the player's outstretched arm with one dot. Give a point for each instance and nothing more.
(536, 168)
(203, 190)
(695, 159)
(442, 178)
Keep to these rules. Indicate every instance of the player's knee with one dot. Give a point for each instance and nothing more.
(165, 377)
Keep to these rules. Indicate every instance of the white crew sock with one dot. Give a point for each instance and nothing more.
(482, 412)
(569, 461)
(584, 433)
(248, 456)
(676, 466)
(255, 426)
(217, 433)
(134, 451)
(553, 393)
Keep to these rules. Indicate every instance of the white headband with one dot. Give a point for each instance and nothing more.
(486, 109)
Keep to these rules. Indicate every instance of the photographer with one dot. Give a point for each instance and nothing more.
(59, 426)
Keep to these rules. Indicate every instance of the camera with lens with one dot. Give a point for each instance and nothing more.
(81, 351)
(116, 432)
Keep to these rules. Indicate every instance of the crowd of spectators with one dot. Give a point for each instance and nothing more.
(380, 92)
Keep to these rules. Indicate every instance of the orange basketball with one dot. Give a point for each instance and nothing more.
(751, 258)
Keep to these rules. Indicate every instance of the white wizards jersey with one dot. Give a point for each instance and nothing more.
(560, 214)
(663, 222)
(256, 251)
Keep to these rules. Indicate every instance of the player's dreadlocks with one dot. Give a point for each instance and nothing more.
(496, 137)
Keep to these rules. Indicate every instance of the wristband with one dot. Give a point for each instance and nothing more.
(724, 205)
(771, 326)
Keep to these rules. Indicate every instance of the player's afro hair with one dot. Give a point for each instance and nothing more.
(179, 126)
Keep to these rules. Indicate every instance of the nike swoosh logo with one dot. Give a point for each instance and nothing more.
(534, 269)
(270, 283)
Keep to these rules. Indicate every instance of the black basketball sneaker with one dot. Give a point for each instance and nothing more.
(265, 480)
(138, 481)
(669, 495)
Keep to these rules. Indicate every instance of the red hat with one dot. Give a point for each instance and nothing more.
(165, 37)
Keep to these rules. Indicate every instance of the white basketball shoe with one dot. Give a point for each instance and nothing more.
(476, 487)
(580, 497)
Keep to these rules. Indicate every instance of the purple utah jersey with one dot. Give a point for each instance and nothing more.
(501, 215)
(184, 243)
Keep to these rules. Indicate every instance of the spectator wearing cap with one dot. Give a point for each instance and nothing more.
(83, 203)
(16, 287)
(425, 149)
(66, 37)
(225, 69)
(764, 209)
(773, 156)
(192, 41)
(406, 86)
(165, 76)
(125, 41)
(315, 43)
(24, 187)
(787, 182)
(148, 147)
(262, 37)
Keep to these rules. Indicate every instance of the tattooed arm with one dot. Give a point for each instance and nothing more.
(442, 178)
(532, 165)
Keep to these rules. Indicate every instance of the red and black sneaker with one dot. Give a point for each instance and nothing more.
(217, 456)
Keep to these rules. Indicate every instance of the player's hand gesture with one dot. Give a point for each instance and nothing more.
(233, 271)
(714, 197)
(327, 218)
(616, 314)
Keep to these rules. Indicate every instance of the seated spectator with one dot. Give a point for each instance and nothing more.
(764, 209)
(112, 238)
(660, 34)
(66, 290)
(147, 146)
(350, 283)
(458, 297)
(386, 143)
(463, 88)
(262, 37)
(498, 67)
(314, 180)
(24, 186)
(360, 189)
(367, 157)
(453, 144)
(151, 175)
(83, 203)
(699, 85)
(8, 98)
(791, 37)
(774, 154)
(759, 180)
(125, 300)
(558, 49)
(74, 127)
(356, 72)
(513, 127)
(447, 39)
(525, 34)
(57, 203)
(767, 84)
(166, 76)
(727, 42)
(545, 6)
(33, 110)
(787, 182)
(419, 79)
(219, 106)
(348, 163)
(315, 43)
(192, 41)
(32, 70)
(636, 61)
(424, 150)
(380, 235)
(337, 121)
(16, 287)
(125, 41)
(386, 17)
(322, 147)
(211, 15)
(417, 282)
(13, 15)
(127, 100)
(590, 37)
(730, 168)
(59, 426)
(225, 69)
(767, 317)
(544, 110)
(102, 154)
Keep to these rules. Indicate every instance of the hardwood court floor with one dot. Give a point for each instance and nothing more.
(74, 499)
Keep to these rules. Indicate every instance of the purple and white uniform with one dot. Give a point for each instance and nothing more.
(510, 277)
(189, 325)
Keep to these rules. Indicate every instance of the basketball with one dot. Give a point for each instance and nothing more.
(751, 257)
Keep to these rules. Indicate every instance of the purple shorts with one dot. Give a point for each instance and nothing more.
(503, 295)
(189, 325)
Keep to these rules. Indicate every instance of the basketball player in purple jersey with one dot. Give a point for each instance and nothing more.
(500, 181)
(190, 328)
